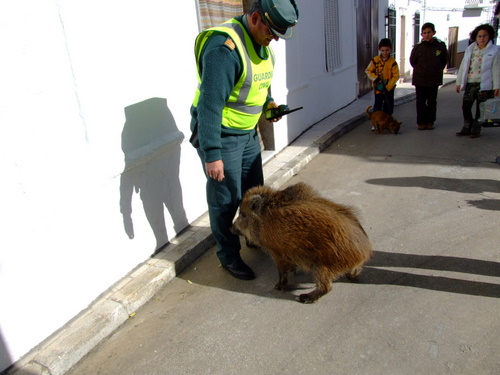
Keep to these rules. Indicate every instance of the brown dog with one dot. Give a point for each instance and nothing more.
(298, 228)
(381, 120)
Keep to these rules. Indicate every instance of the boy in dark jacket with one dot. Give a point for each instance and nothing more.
(428, 59)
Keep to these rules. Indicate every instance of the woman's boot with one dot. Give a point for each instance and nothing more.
(475, 129)
(465, 129)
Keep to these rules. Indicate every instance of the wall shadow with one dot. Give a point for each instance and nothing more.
(435, 262)
(151, 146)
(5, 360)
(441, 183)
(205, 272)
(373, 275)
(471, 186)
(7, 365)
(486, 204)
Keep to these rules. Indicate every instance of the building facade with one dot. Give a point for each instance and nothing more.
(97, 168)
(94, 111)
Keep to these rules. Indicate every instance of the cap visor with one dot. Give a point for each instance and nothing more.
(287, 35)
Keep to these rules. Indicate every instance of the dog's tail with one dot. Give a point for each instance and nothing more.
(368, 112)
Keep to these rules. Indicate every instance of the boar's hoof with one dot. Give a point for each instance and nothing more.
(280, 286)
(305, 298)
(353, 274)
(308, 297)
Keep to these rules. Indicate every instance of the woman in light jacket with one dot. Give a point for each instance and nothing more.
(479, 76)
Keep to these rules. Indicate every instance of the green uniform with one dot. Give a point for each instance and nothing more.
(234, 77)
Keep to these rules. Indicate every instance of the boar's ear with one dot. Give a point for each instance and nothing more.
(256, 202)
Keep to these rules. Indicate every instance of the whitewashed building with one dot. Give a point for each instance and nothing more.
(453, 19)
(97, 170)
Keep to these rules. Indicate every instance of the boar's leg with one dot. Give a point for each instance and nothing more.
(354, 273)
(324, 280)
(282, 281)
(283, 269)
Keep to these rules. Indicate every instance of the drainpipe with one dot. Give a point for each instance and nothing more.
(424, 19)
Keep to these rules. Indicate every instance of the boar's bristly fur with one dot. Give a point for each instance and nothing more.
(299, 228)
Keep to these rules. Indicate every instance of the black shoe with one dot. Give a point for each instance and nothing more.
(239, 270)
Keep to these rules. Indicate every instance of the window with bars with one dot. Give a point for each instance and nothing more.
(390, 28)
(416, 28)
(332, 35)
(495, 19)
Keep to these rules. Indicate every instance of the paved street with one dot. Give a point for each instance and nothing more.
(427, 303)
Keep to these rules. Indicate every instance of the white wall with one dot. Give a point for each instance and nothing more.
(69, 70)
(86, 85)
(453, 15)
(443, 14)
(405, 8)
(301, 69)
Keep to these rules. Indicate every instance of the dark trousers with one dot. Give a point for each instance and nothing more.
(426, 104)
(473, 94)
(242, 159)
(384, 102)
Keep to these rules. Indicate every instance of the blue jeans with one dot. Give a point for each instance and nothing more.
(241, 155)
(384, 102)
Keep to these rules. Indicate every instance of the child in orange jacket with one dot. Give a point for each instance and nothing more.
(383, 71)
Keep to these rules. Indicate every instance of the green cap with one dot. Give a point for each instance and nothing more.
(282, 15)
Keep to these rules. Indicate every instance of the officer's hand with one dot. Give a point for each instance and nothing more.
(215, 170)
(272, 105)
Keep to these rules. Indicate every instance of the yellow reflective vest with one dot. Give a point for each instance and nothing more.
(244, 106)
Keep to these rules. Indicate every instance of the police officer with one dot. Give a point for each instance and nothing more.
(235, 68)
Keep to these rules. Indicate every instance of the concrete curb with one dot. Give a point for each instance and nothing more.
(71, 343)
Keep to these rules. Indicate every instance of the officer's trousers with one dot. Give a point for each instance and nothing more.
(241, 155)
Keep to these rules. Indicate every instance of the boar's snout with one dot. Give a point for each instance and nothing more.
(238, 223)
(234, 230)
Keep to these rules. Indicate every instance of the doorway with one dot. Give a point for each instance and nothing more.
(402, 49)
(367, 41)
(452, 47)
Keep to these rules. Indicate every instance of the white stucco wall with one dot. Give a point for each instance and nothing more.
(94, 117)
(443, 14)
(69, 70)
(406, 9)
(451, 13)
(301, 69)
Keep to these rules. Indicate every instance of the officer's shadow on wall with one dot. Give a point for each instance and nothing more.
(151, 145)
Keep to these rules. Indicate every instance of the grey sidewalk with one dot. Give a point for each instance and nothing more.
(59, 353)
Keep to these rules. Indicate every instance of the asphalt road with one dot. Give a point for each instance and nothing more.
(428, 302)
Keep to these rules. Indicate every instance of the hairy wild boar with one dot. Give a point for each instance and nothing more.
(299, 228)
